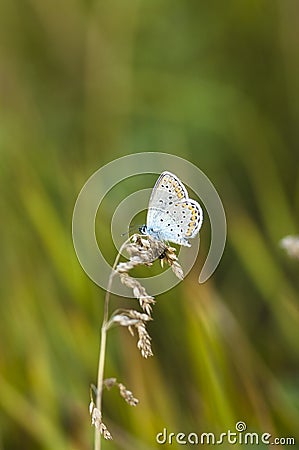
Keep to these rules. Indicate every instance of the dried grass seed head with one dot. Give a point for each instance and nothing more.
(169, 256)
(291, 245)
(96, 420)
(127, 395)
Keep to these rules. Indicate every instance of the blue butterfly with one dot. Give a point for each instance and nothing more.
(172, 216)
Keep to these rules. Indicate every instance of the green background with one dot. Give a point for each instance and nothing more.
(85, 82)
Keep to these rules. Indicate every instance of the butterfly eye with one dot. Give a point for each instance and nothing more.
(142, 229)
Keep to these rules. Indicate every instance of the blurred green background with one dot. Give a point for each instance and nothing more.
(85, 82)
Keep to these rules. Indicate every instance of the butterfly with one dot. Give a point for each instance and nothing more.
(172, 216)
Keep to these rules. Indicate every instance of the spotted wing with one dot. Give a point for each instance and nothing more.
(172, 216)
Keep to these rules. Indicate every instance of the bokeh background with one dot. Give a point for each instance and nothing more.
(85, 82)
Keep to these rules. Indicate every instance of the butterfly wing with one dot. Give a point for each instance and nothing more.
(172, 216)
(168, 188)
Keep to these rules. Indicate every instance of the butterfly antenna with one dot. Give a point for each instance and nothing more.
(131, 227)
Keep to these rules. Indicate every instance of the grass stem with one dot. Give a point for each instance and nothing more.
(101, 365)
